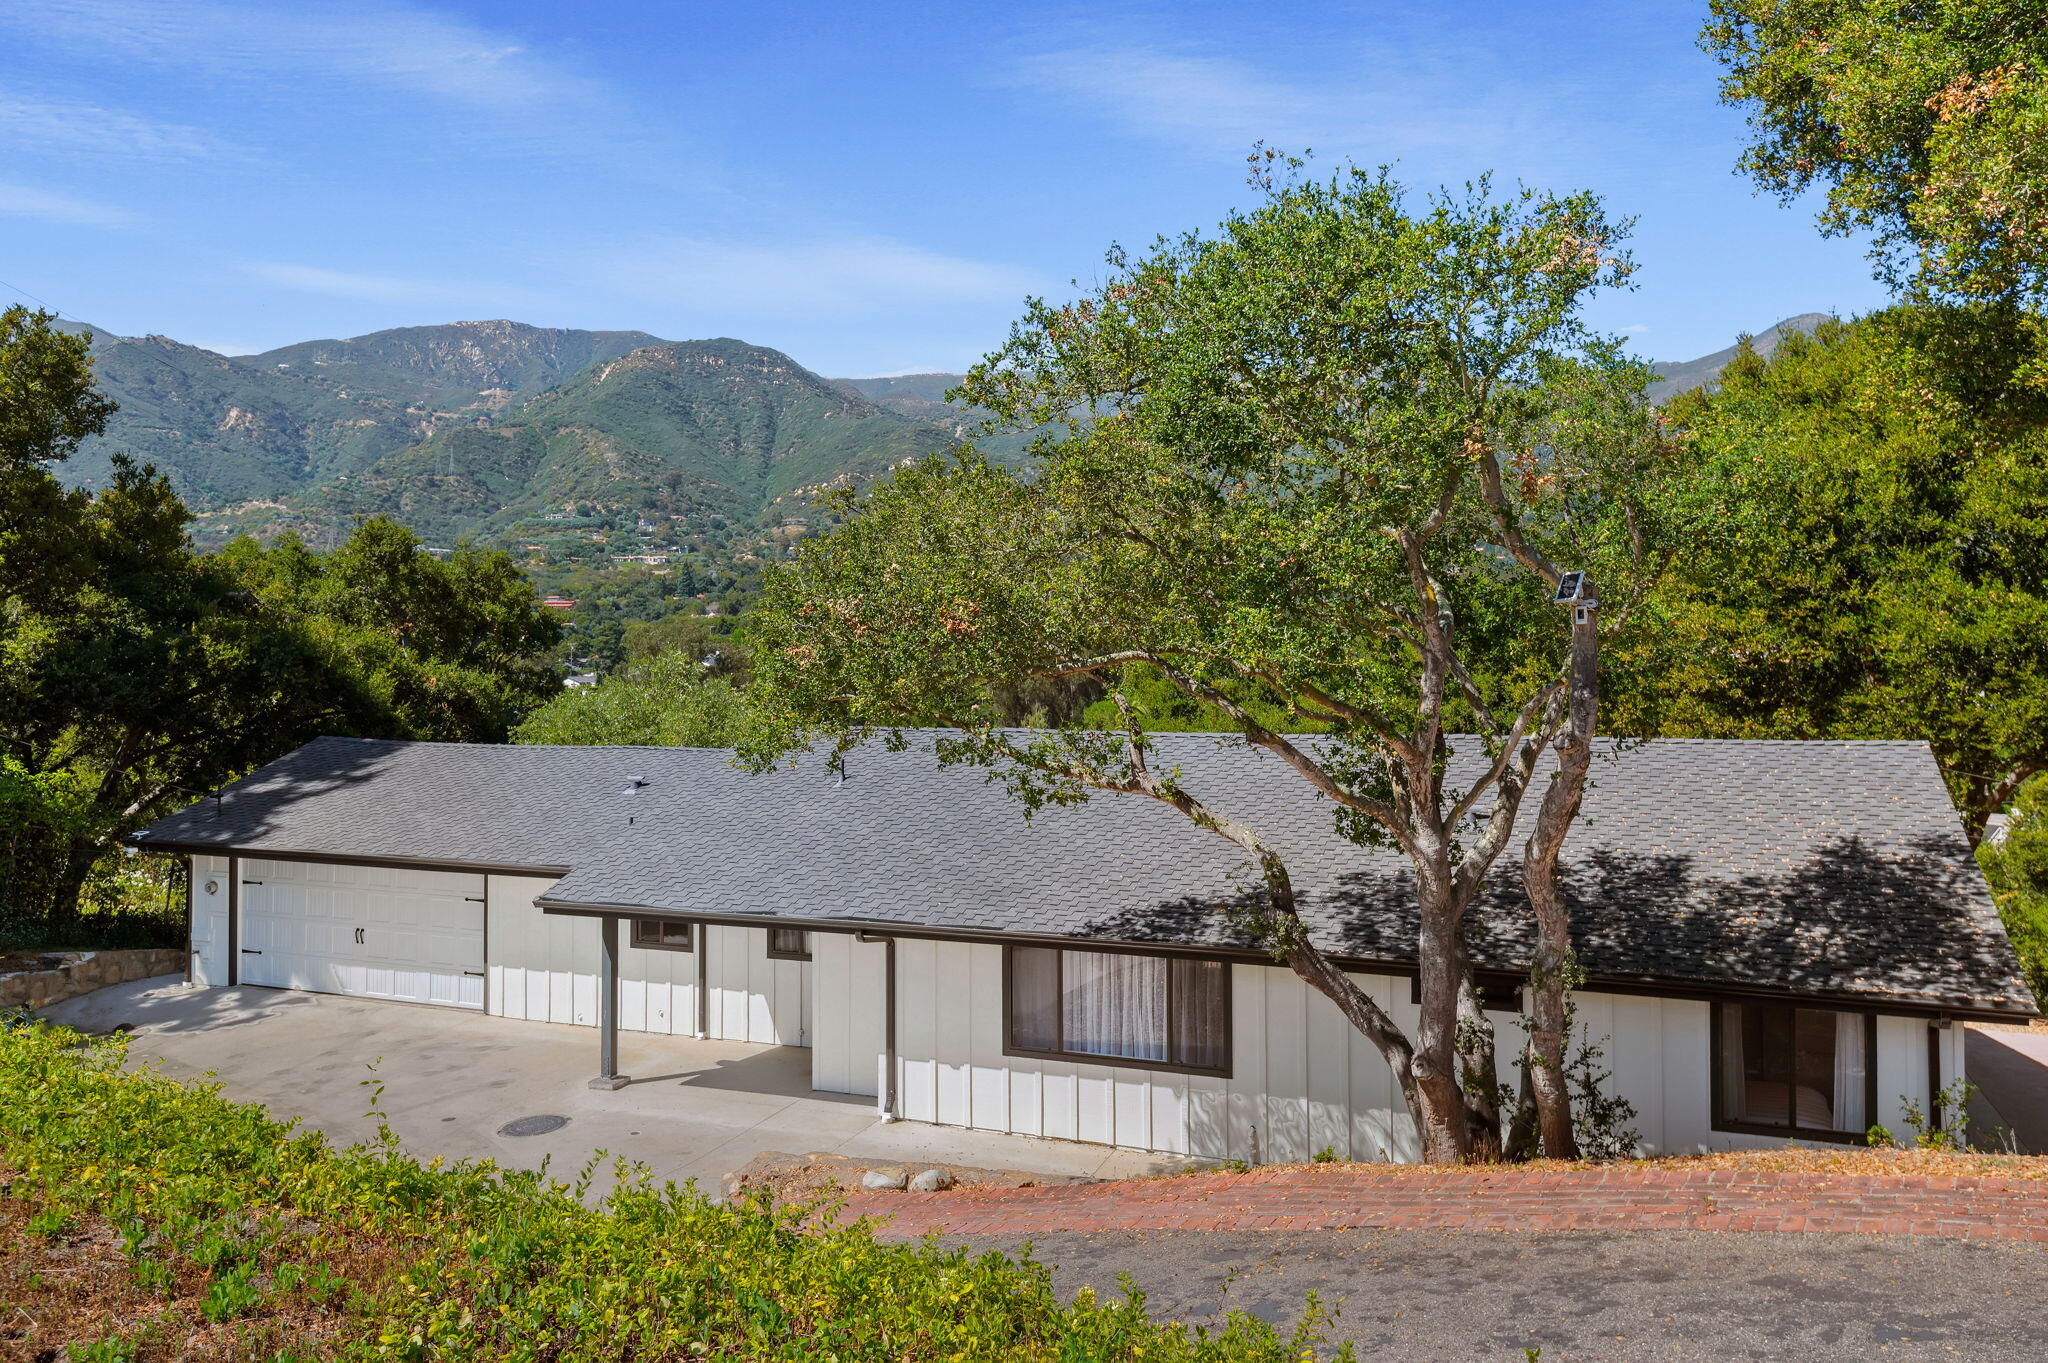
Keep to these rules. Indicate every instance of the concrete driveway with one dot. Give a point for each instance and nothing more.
(454, 1081)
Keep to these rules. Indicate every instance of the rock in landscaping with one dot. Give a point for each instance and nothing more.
(883, 1181)
(932, 1181)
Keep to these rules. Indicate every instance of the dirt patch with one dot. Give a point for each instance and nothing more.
(68, 1278)
(797, 1177)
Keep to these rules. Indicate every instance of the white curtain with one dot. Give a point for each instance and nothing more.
(1849, 1074)
(1114, 1004)
(1734, 1073)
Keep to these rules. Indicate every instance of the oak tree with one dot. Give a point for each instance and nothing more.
(1926, 123)
(1326, 466)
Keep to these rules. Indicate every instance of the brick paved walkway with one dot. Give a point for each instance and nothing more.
(1364, 1196)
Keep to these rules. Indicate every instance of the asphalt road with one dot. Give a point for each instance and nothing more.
(1581, 1296)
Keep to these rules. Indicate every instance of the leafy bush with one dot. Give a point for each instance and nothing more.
(473, 1261)
(2017, 867)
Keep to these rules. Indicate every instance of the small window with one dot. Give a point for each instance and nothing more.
(789, 944)
(1161, 1012)
(1786, 1071)
(663, 934)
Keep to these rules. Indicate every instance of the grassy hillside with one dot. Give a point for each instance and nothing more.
(146, 1218)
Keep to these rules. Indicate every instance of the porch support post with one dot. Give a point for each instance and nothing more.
(608, 1076)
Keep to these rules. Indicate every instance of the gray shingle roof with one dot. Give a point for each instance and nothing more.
(1825, 868)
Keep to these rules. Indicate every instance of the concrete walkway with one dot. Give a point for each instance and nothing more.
(453, 1081)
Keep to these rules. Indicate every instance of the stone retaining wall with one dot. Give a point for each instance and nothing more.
(68, 974)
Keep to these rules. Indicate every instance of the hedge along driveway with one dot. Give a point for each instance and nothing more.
(489, 1263)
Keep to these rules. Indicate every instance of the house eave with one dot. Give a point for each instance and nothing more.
(1645, 985)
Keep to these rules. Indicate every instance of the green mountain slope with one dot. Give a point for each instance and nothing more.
(689, 429)
(225, 433)
(1676, 376)
(459, 366)
(922, 397)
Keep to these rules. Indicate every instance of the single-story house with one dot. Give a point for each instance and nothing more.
(1779, 938)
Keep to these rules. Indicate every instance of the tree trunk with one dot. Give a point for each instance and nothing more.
(79, 856)
(1478, 1073)
(1442, 1113)
(1553, 968)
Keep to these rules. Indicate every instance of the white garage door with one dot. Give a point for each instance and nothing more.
(371, 931)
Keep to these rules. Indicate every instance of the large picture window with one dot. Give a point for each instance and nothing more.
(1786, 1071)
(1161, 1012)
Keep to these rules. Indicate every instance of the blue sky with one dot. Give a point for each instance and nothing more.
(870, 187)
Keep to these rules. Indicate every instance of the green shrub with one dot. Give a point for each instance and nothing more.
(2017, 867)
(481, 1262)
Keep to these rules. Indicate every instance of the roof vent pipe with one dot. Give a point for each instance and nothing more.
(633, 786)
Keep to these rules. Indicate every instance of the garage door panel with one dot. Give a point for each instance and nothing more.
(365, 931)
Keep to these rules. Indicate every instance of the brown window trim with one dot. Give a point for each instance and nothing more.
(1718, 1119)
(657, 924)
(1011, 1048)
(777, 955)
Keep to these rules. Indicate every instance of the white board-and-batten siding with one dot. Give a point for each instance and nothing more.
(210, 920)
(543, 968)
(1302, 1080)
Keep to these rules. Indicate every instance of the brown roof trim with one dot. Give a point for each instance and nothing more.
(202, 849)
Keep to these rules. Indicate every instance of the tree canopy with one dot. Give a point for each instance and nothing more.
(1334, 455)
(1890, 579)
(1927, 123)
(135, 674)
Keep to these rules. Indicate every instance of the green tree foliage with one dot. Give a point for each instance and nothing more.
(669, 700)
(2017, 867)
(680, 687)
(1927, 123)
(1340, 449)
(1891, 580)
(456, 649)
(135, 674)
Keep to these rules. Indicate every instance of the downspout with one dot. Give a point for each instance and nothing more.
(234, 971)
(1936, 1118)
(703, 982)
(888, 1103)
(186, 862)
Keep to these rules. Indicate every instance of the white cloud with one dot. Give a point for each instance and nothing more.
(1635, 329)
(23, 202)
(390, 45)
(388, 288)
(1379, 105)
(63, 127)
(801, 278)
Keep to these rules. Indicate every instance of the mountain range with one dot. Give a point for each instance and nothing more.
(503, 430)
